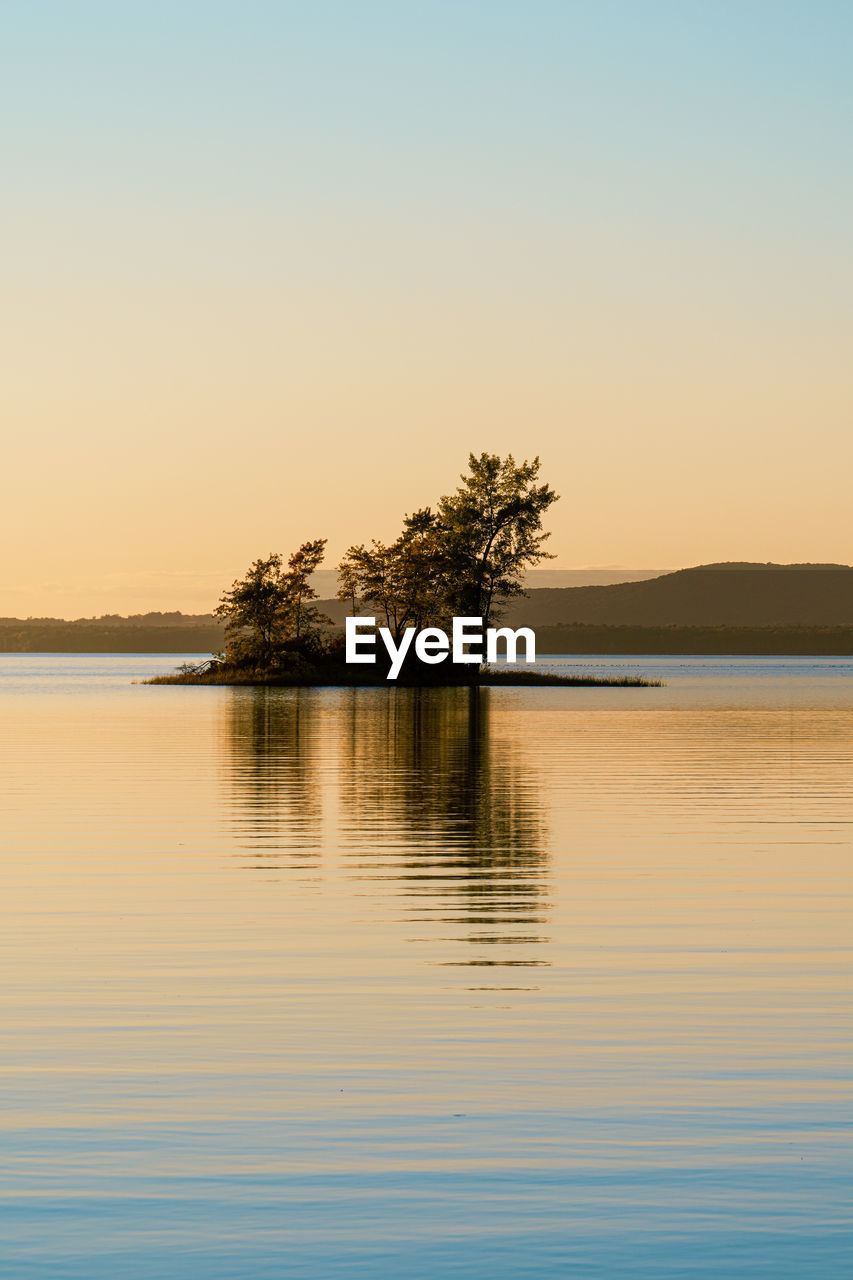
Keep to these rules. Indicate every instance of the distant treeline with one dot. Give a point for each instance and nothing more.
(142, 633)
(201, 633)
(588, 638)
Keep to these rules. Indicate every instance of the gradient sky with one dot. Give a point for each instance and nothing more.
(271, 270)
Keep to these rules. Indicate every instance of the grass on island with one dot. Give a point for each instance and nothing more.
(214, 673)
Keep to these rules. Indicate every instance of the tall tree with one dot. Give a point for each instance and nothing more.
(463, 558)
(492, 531)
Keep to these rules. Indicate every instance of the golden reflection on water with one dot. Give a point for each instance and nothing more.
(561, 980)
(429, 798)
(275, 773)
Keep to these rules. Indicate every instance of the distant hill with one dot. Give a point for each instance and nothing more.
(141, 633)
(802, 641)
(734, 596)
(714, 595)
(535, 579)
(325, 581)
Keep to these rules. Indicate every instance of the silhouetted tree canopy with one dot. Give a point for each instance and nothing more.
(269, 613)
(462, 557)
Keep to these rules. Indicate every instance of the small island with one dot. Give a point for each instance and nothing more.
(463, 559)
(340, 676)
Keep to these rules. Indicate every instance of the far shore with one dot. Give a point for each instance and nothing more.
(205, 635)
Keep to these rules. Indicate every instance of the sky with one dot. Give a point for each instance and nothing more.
(270, 271)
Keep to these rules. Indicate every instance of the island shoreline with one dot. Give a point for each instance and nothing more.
(347, 680)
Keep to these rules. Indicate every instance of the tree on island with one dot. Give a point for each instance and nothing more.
(269, 613)
(492, 530)
(464, 558)
(253, 612)
(303, 617)
(404, 581)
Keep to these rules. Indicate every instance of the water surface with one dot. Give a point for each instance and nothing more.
(503, 983)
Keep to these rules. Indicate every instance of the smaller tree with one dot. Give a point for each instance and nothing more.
(403, 581)
(270, 611)
(255, 614)
(366, 576)
(305, 619)
(349, 580)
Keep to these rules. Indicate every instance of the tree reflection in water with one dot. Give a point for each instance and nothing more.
(434, 798)
(275, 793)
(415, 792)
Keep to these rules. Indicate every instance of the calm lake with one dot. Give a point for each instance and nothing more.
(408, 984)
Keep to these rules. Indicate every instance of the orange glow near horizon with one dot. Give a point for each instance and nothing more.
(234, 323)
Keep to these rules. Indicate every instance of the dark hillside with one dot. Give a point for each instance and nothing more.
(790, 641)
(712, 596)
(142, 633)
(709, 596)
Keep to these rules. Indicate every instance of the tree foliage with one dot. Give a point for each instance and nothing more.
(492, 529)
(404, 582)
(254, 614)
(464, 558)
(268, 612)
(303, 617)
